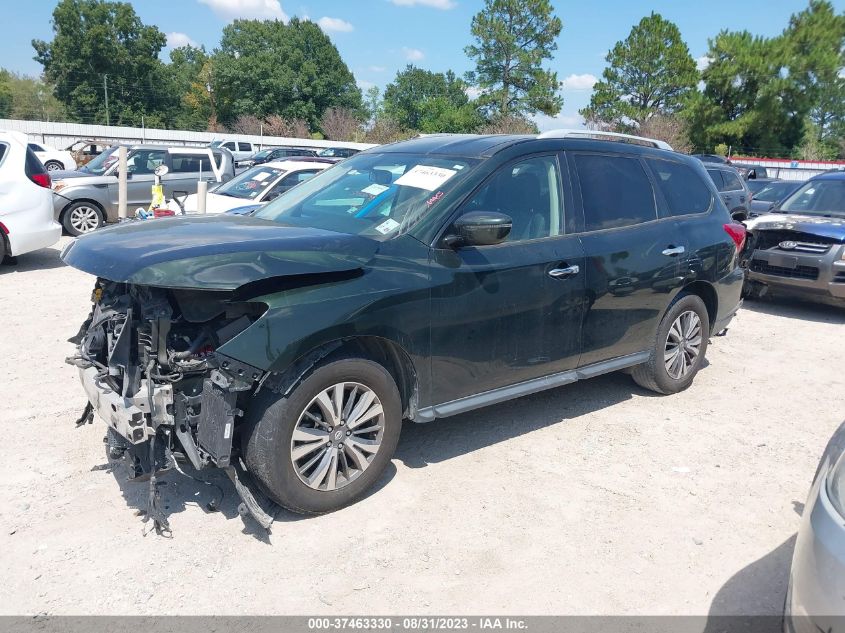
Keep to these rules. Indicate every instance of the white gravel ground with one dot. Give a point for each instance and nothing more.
(594, 498)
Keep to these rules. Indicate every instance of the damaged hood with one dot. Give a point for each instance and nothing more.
(216, 253)
(829, 227)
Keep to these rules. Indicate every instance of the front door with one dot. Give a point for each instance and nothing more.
(139, 188)
(508, 313)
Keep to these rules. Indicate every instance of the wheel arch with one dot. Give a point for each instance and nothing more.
(386, 352)
(708, 295)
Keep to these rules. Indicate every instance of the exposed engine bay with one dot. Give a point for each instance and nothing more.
(148, 361)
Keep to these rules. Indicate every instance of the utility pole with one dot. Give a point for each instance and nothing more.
(106, 93)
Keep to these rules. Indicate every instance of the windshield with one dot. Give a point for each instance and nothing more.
(774, 191)
(264, 153)
(818, 197)
(376, 195)
(102, 162)
(250, 184)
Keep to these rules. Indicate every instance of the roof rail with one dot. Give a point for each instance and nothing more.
(609, 136)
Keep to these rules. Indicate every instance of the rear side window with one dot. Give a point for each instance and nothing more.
(244, 147)
(33, 165)
(35, 148)
(190, 164)
(615, 191)
(716, 175)
(684, 190)
(732, 181)
(3, 149)
(230, 146)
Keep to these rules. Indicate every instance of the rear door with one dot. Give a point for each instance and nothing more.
(632, 254)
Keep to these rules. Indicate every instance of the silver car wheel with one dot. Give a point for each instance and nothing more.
(337, 436)
(84, 219)
(683, 345)
(53, 166)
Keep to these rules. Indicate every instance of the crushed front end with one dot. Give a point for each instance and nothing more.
(147, 358)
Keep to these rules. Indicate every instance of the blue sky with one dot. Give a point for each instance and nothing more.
(378, 37)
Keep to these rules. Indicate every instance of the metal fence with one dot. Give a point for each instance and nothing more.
(60, 135)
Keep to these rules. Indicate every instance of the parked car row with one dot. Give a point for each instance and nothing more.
(248, 153)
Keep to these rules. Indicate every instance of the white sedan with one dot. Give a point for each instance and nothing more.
(53, 159)
(254, 186)
(26, 199)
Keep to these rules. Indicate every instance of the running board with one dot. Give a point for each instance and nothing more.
(502, 394)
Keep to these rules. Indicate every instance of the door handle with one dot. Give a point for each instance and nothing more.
(563, 273)
(672, 251)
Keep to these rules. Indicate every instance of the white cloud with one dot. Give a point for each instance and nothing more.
(260, 9)
(335, 25)
(703, 62)
(546, 123)
(443, 5)
(177, 40)
(376, 69)
(413, 54)
(580, 82)
(472, 92)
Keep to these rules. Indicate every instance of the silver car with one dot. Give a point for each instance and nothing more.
(83, 202)
(815, 600)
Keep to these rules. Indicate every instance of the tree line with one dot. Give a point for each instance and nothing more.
(103, 66)
(783, 95)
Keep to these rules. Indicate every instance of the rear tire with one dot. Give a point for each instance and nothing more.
(53, 165)
(333, 459)
(82, 217)
(679, 347)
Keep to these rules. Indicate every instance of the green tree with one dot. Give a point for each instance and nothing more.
(98, 46)
(430, 102)
(5, 94)
(32, 99)
(650, 73)
(748, 100)
(292, 70)
(815, 51)
(190, 75)
(512, 40)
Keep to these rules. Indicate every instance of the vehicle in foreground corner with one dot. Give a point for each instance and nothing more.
(414, 281)
(258, 185)
(815, 597)
(26, 202)
(798, 247)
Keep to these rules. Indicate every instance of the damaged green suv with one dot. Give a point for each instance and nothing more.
(413, 281)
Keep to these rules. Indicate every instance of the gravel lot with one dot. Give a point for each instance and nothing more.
(594, 498)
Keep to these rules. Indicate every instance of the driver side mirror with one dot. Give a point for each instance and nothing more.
(479, 228)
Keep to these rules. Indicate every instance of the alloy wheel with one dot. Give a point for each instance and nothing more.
(84, 219)
(683, 345)
(337, 436)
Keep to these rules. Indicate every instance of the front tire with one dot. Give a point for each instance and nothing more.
(679, 347)
(82, 217)
(328, 442)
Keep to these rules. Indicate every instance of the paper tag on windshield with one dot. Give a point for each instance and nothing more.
(425, 177)
(375, 189)
(387, 226)
(261, 177)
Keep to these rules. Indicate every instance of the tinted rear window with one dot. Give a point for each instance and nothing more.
(716, 175)
(3, 148)
(732, 181)
(32, 165)
(615, 191)
(682, 187)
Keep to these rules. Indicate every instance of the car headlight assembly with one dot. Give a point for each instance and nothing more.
(836, 485)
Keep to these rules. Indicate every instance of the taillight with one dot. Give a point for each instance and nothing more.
(737, 233)
(42, 180)
(3, 228)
